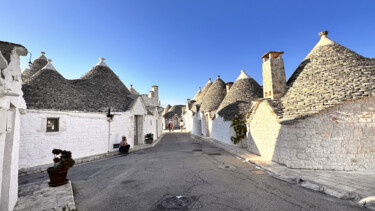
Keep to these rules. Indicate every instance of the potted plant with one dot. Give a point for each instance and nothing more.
(149, 138)
(62, 162)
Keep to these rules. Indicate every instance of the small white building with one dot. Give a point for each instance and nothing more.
(87, 116)
(238, 101)
(210, 103)
(12, 106)
(323, 116)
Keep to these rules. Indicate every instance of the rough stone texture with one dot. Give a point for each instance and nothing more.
(239, 98)
(96, 91)
(197, 94)
(340, 138)
(274, 80)
(174, 110)
(166, 109)
(214, 96)
(263, 131)
(39, 196)
(199, 99)
(35, 66)
(132, 90)
(8, 47)
(330, 75)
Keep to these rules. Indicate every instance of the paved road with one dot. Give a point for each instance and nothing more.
(203, 176)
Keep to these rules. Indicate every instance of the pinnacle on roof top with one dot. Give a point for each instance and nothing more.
(323, 33)
(131, 85)
(102, 63)
(218, 76)
(42, 56)
(49, 65)
(243, 75)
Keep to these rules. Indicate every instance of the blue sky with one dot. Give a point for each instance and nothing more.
(179, 44)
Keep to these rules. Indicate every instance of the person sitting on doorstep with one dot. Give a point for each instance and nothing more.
(124, 146)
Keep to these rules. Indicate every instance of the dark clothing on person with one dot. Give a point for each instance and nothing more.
(124, 149)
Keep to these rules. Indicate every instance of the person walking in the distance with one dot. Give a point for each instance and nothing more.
(124, 146)
(170, 125)
(182, 125)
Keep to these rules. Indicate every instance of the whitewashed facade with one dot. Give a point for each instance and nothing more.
(12, 106)
(86, 133)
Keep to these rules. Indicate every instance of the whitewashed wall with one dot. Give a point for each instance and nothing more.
(83, 134)
(121, 125)
(9, 140)
(202, 117)
(340, 138)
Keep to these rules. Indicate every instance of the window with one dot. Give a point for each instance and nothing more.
(52, 124)
(150, 122)
(269, 93)
(265, 94)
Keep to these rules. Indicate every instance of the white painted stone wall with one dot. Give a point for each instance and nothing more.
(202, 117)
(9, 138)
(121, 125)
(263, 132)
(83, 134)
(340, 138)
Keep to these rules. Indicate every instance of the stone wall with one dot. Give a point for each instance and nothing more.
(12, 105)
(339, 138)
(222, 131)
(263, 131)
(84, 134)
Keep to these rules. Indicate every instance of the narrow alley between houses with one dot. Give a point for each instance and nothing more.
(184, 172)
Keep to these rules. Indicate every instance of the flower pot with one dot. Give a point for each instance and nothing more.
(148, 141)
(57, 177)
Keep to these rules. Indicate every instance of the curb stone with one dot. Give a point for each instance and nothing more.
(306, 183)
(43, 168)
(39, 196)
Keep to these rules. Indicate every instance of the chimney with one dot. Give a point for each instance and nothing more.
(229, 85)
(150, 94)
(274, 80)
(155, 89)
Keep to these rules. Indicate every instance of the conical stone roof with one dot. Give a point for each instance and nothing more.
(132, 90)
(174, 110)
(197, 94)
(214, 96)
(49, 90)
(204, 91)
(239, 97)
(34, 67)
(198, 100)
(329, 75)
(99, 90)
(104, 89)
(166, 109)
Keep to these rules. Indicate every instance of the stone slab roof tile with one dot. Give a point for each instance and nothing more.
(95, 92)
(239, 97)
(214, 96)
(329, 75)
(34, 67)
(174, 110)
